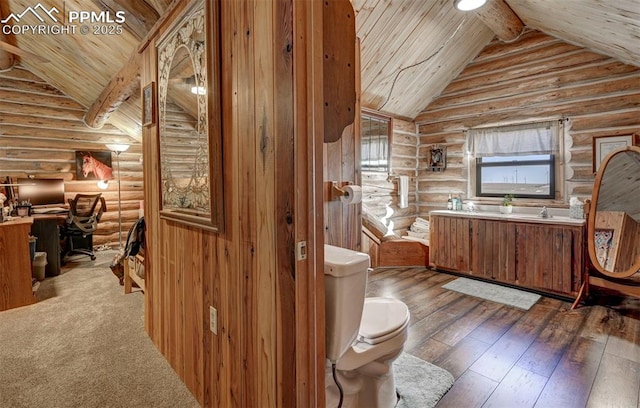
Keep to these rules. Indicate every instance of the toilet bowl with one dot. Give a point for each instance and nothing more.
(383, 331)
(364, 335)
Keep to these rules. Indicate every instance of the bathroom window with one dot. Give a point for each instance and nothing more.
(520, 160)
(530, 176)
(376, 142)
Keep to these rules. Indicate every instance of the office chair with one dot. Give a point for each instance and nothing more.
(82, 222)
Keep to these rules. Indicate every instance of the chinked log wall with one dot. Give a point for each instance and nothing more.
(40, 131)
(532, 79)
(379, 192)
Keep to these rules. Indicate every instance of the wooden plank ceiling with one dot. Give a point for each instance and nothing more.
(81, 65)
(410, 49)
(609, 27)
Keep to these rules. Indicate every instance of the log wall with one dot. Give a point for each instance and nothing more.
(536, 78)
(380, 190)
(40, 131)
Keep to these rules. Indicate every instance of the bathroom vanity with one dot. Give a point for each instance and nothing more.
(525, 250)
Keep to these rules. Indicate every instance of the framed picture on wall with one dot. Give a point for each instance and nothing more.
(603, 145)
(437, 158)
(93, 165)
(148, 104)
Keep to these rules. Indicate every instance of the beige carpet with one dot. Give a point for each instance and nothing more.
(83, 345)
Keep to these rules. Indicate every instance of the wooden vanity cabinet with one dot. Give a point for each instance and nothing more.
(450, 243)
(540, 256)
(493, 250)
(550, 258)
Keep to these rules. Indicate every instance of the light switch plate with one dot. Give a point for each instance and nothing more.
(213, 319)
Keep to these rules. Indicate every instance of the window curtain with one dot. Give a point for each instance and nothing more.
(537, 138)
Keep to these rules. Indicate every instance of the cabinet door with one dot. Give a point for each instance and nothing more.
(449, 246)
(549, 257)
(493, 250)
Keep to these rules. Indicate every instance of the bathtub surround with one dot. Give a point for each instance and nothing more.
(495, 293)
(419, 383)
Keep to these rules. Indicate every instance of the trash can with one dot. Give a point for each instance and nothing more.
(39, 264)
(32, 247)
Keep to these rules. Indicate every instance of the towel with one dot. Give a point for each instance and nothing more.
(403, 191)
(422, 221)
(416, 227)
(419, 229)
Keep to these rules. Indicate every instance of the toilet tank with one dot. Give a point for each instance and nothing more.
(345, 282)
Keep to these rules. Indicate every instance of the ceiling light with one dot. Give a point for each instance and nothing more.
(467, 5)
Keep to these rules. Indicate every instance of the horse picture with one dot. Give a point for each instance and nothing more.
(93, 166)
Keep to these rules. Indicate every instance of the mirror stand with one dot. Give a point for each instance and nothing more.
(613, 227)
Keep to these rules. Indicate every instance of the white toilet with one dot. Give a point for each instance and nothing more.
(363, 336)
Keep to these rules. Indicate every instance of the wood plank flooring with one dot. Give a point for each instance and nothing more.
(503, 357)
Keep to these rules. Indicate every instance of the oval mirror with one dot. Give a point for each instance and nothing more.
(614, 221)
(188, 104)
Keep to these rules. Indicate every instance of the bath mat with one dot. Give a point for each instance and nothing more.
(495, 293)
(419, 384)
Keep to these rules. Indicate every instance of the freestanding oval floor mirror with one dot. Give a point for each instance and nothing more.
(613, 226)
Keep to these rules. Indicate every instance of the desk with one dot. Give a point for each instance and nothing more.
(45, 227)
(15, 264)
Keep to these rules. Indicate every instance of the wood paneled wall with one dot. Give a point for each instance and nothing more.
(342, 222)
(341, 159)
(268, 351)
(40, 131)
(535, 78)
(380, 190)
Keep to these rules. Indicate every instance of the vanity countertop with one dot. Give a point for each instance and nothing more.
(517, 217)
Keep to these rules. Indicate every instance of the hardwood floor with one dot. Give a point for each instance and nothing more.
(503, 357)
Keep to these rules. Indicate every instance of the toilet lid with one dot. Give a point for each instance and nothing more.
(382, 318)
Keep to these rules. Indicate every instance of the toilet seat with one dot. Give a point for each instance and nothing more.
(383, 331)
(382, 319)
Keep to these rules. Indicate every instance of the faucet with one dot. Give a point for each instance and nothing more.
(544, 213)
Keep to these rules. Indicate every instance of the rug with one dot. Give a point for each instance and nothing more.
(495, 293)
(419, 384)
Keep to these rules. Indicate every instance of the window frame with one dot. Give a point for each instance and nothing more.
(379, 116)
(556, 164)
(548, 162)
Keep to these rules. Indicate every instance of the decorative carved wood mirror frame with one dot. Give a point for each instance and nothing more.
(199, 203)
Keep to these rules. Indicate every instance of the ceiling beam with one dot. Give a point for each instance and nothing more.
(120, 88)
(7, 59)
(504, 22)
(126, 81)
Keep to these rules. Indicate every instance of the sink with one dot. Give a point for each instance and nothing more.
(530, 216)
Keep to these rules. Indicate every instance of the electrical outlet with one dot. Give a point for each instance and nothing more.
(213, 319)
